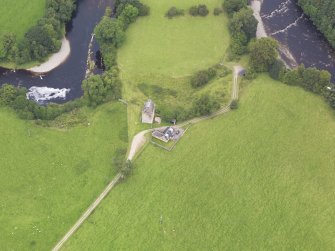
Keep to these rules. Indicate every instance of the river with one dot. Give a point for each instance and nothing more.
(300, 40)
(284, 20)
(64, 82)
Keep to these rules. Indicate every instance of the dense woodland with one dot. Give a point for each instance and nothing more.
(322, 13)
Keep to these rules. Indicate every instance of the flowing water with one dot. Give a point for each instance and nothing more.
(64, 82)
(300, 40)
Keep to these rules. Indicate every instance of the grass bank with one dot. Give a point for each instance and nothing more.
(50, 176)
(258, 178)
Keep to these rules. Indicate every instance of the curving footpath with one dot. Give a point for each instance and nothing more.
(136, 145)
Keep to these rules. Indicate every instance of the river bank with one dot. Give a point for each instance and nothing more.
(300, 41)
(64, 72)
(55, 60)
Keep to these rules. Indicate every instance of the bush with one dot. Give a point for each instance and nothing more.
(119, 158)
(277, 69)
(234, 104)
(217, 11)
(126, 169)
(205, 105)
(243, 27)
(193, 11)
(143, 10)
(232, 6)
(263, 54)
(174, 12)
(200, 10)
(201, 78)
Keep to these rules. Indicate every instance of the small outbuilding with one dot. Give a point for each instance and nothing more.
(148, 112)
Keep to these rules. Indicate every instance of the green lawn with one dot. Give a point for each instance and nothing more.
(259, 178)
(165, 52)
(50, 176)
(19, 15)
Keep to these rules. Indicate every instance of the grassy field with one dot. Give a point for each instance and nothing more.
(165, 52)
(50, 176)
(259, 178)
(19, 15)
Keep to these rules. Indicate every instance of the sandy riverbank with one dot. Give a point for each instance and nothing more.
(256, 7)
(55, 60)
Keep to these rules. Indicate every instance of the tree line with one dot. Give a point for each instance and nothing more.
(264, 58)
(40, 40)
(110, 33)
(242, 26)
(322, 13)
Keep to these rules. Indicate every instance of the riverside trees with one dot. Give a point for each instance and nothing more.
(242, 26)
(322, 14)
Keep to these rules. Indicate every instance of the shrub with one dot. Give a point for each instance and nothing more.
(277, 70)
(232, 6)
(143, 10)
(200, 10)
(174, 12)
(263, 54)
(217, 11)
(205, 105)
(126, 169)
(193, 11)
(234, 104)
(201, 78)
(118, 159)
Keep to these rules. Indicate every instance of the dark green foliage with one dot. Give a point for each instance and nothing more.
(232, 6)
(263, 53)
(243, 27)
(143, 10)
(7, 46)
(200, 10)
(127, 169)
(128, 15)
(99, 89)
(201, 78)
(330, 96)
(119, 158)
(234, 105)
(217, 11)
(109, 53)
(110, 31)
(322, 14)
(174, 12)
(205, 105)
(311, 79)
(193, 11)
(277, 69)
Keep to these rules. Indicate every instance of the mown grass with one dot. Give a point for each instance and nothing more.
(165, 52)
(50, 176)
(19, 15)
(259, 178)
